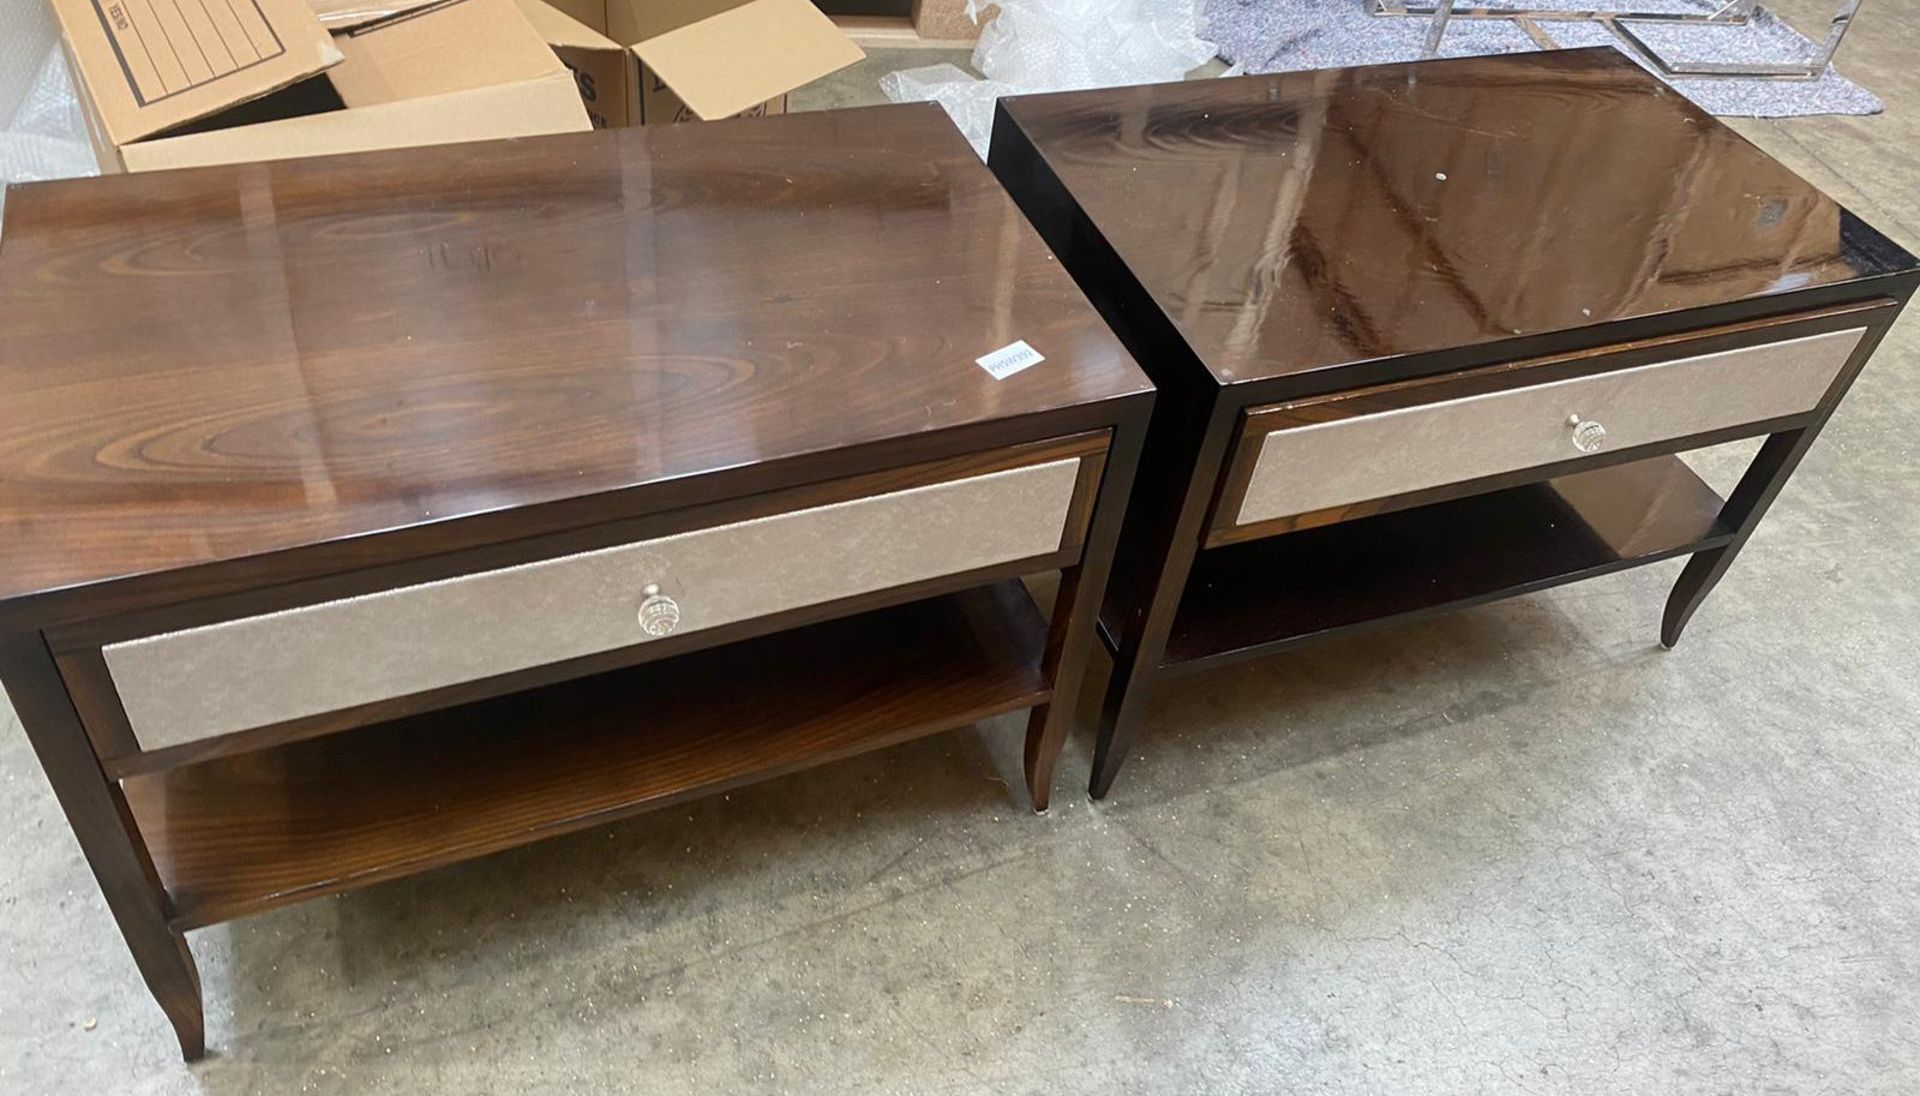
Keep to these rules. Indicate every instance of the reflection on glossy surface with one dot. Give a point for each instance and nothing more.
(207, 364)
(1304, 220)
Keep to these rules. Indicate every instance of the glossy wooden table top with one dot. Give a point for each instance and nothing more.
(1312, 220)
(211, 364)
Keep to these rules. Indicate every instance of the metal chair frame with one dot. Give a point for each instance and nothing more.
(1729, 13)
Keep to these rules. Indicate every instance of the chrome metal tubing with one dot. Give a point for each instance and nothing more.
(1730, 13)
(1810, 70)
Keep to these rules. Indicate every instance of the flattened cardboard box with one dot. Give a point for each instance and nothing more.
(456, 70)
(650, 61)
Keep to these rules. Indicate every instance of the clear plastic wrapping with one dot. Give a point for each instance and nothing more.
(42, 133)
(1059, 45)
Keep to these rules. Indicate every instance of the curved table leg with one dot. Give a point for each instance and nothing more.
(1762, 483)
(114, 849)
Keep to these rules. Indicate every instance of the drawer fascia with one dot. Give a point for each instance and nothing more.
(79, 651)
(1229, 521)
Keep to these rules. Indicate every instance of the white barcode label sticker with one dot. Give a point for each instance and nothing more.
(1009, 359)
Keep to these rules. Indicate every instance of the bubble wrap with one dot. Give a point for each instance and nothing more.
(1287, 35)
(42, 133)
(1059, 45)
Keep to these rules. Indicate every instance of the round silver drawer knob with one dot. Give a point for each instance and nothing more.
(1588, 436)
(659, 614)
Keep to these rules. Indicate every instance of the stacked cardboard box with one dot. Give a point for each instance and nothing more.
(179, 83)
(650, 61)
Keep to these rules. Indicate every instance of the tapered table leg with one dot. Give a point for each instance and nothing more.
(112, 844)
(1127, 691)
(1178, 475)
(1769, 472)
(1076, 611)
(1764, 478)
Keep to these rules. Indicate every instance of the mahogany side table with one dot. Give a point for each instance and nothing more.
(366, 514)
(1429, 335)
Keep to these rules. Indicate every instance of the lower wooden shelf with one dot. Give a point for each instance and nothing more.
(1254, 598)
(245, 833)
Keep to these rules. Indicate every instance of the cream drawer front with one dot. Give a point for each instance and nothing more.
(1319, 466)
(202, 682)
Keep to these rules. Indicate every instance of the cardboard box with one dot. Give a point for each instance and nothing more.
(339, 15)
(947, 20)
(651, 61)
(602, 68)
(182, 83)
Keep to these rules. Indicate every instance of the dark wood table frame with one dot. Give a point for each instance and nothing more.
(147, 314)
(1172, 540)
(1191, 591)
(787, 692)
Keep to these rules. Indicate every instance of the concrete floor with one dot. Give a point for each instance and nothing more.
(1516, 850)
